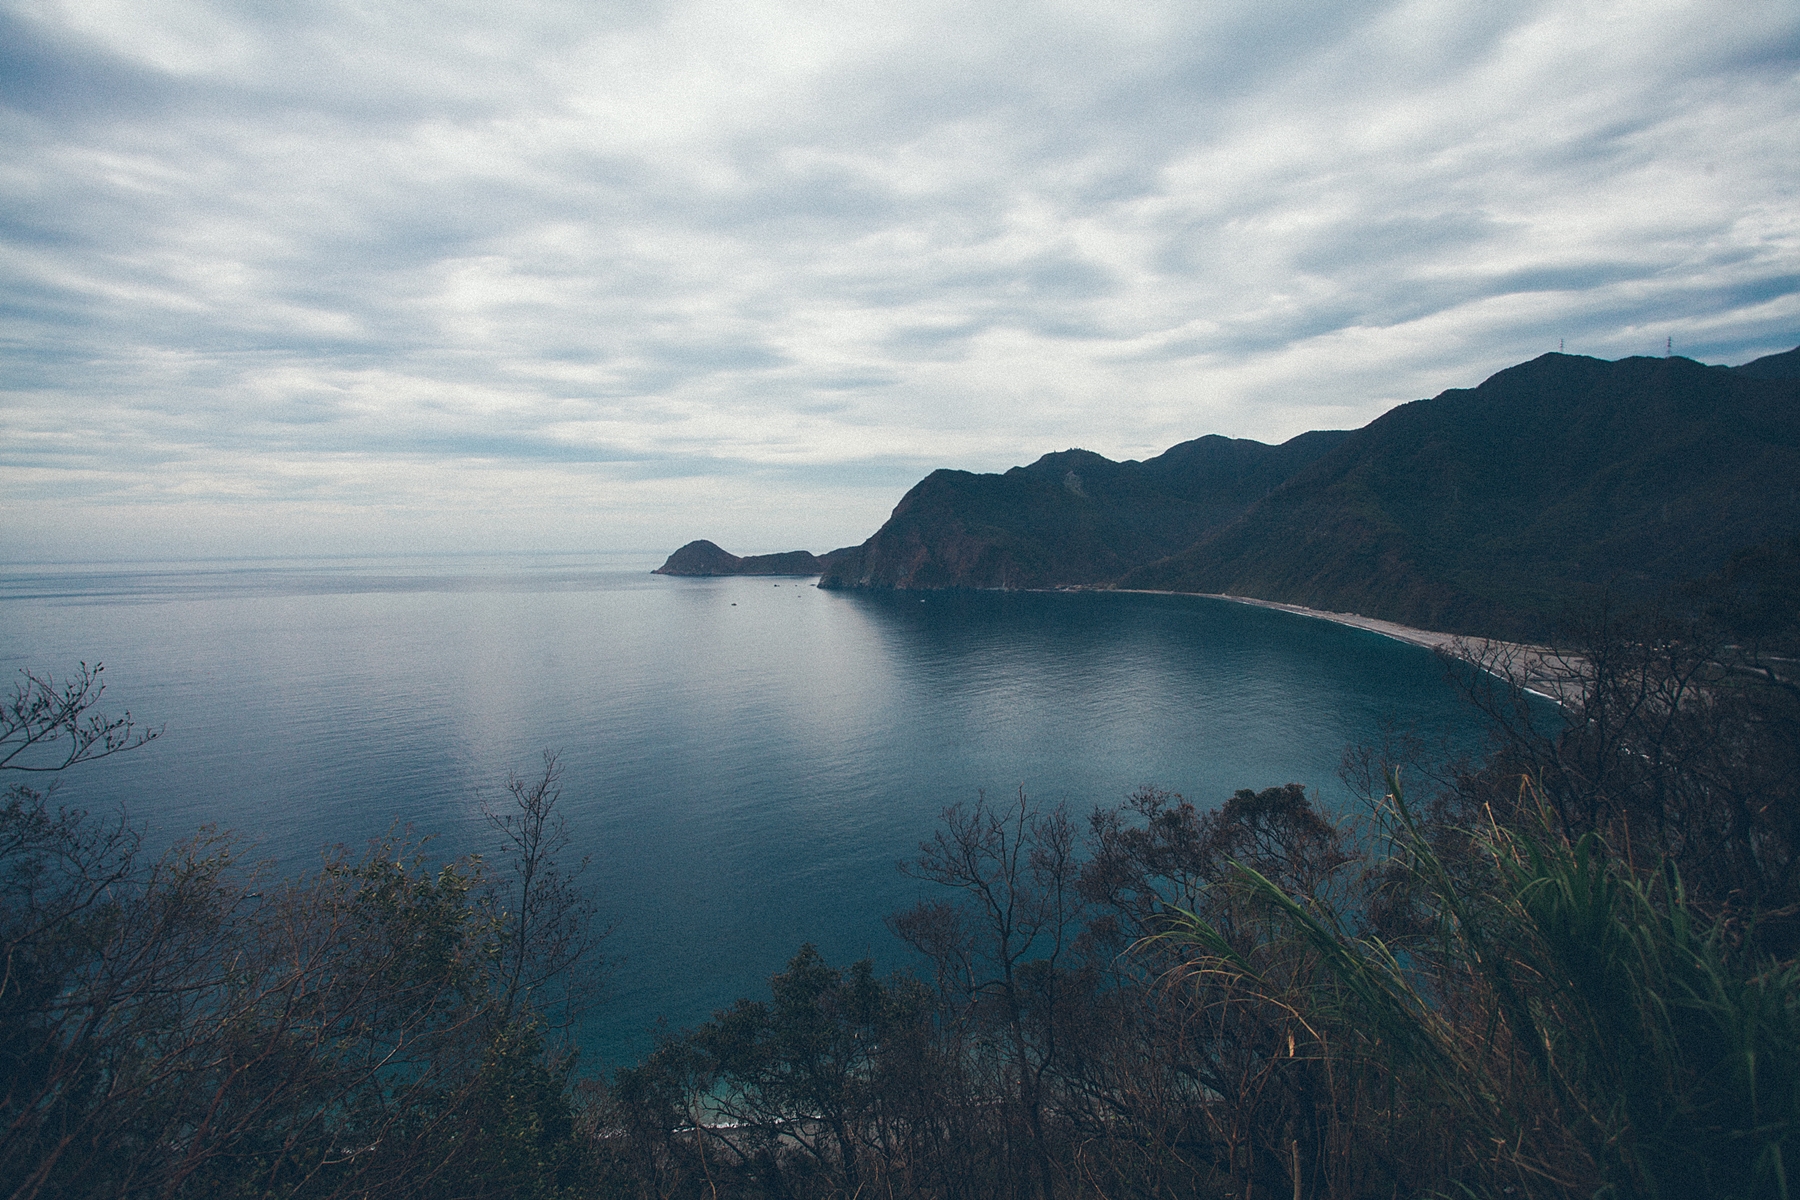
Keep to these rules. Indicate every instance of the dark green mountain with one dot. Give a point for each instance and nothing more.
(1773, 366)
(1485, 510)
(707, 558)
(1068, 519)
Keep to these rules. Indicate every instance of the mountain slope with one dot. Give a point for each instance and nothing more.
(1484, 510)
(1070, 518)
(1785, 365)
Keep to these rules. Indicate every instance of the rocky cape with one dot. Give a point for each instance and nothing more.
(706, 558)
(1481, 511)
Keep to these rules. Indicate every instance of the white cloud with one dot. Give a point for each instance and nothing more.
(282, 267)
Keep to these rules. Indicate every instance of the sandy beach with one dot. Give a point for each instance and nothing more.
(1545, 672)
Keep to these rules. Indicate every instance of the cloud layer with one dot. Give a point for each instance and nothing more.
(452, 276)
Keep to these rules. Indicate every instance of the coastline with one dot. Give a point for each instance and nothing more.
(1554, 676)
(1545, 672)
(1431, 639)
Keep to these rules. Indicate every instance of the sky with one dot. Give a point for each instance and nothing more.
(373, 278)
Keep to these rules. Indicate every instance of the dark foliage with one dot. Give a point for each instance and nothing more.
(1070, 518)
(1483, 510)
(184, 1026)
(1679, 742)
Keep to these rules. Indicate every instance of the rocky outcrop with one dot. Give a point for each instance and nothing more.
(707, 558)
(700, 558)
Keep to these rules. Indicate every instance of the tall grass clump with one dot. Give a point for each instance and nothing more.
(1563, 1025)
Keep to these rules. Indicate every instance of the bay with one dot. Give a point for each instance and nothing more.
(745, 759)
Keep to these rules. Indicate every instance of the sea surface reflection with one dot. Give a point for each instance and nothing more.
(745, 759)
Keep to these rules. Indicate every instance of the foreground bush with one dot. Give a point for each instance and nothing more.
(1566, 1027)
(186, 1027)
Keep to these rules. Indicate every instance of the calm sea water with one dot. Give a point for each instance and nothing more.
(746, 759)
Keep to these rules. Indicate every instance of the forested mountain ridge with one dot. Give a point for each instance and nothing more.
(1482, 510)
(1072, 518)
(1785, 365)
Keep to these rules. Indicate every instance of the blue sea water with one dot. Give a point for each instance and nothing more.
(747, 760)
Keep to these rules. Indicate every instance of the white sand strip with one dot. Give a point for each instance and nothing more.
(1543, 671)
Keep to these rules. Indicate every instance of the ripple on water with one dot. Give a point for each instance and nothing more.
(746, 763)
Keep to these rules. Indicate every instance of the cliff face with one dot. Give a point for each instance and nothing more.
(1070, 518)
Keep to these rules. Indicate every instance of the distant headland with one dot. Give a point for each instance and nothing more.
(1482, 511)
(707, 558)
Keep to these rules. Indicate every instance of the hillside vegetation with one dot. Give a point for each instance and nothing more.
(1073, 518)
(1483, 510)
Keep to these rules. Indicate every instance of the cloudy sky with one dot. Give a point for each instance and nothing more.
(370, 276)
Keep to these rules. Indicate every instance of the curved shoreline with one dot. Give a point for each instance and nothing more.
(1538, 669)
(1431, 639)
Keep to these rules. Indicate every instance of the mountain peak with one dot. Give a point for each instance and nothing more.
(700, 557)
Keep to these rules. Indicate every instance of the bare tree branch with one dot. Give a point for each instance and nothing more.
(47, 726)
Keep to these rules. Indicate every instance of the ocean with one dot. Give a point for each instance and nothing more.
(747, 760)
